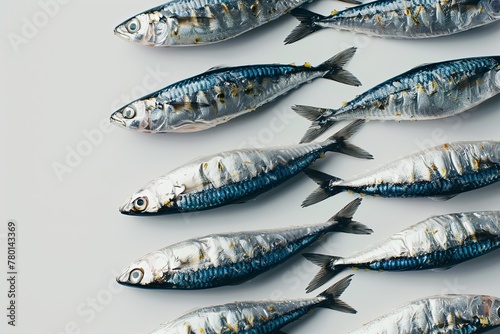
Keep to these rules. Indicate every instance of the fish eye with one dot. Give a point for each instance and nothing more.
(140, 204)
(128, 112)
(136, 276)
(133, 26)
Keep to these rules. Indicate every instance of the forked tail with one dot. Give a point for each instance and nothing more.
(335, 68)
(338, 142)
(329, 269)
(326, 189)
(321, 120)
(332, 295)
(308, 24)
(342, 221)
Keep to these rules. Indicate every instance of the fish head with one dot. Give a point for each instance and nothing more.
(151, 28)
(492, 7)
(146, 272)
(144, 115)
(157, 197)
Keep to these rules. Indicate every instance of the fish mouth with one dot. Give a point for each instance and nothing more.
(116, 119)
(119, 31)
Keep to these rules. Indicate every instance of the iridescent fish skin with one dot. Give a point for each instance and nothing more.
(426, 92)
(441, 172)
(263, 317)
(437, 242)
(190, 22)
(445, 314)
(232, 258)
(221, 94)
(233, 176)
(401, 19)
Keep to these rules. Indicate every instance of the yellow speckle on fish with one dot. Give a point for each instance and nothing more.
(446, 147)
(435, 232)
(221, 166)
(202, 330)
(407, 11)
(420, 88)
(224, 7)
(433, 167)
(307, 64)
(271, 308)
(444, 172)
(293, 64)
(234, 90)
(196, 41)
(205, 165)
(475, 163)
(379, 20)
(481, 147)
(334, 12)
(250, 319)
(231, 245)
(344, 103)
(176, 31)
(355, 268)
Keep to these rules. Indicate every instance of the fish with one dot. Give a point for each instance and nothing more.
(442, 314)
(234, 176)
(440, 241)
(232, 258)
(263, 317)
(223, 93)
(441, 172)
(190, 23)
(426, 92)
(401, 19)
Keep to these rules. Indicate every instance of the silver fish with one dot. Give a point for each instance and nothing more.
(221, 94)
(437, 242)
(443, 314)
(263, 317)
(426, 92)
(401, 18)
(442, 172)
(189, 22)
(233, 176)
(232, 258)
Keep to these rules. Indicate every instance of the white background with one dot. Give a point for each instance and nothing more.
(65, 79)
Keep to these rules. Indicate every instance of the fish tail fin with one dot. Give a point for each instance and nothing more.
(342, 221)
(308, 24)
(324, 191)
(328, 270)
(335, 68)
(320, 117)
(338, 142)
(332, 295)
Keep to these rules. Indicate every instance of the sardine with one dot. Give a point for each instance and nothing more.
(441, 172)
(263, 317)
(232, 258)
(233, 176)
(189, 22)
(426, 92)
(221, 94)
(437, 242)
(401, 18)
(443, 314)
